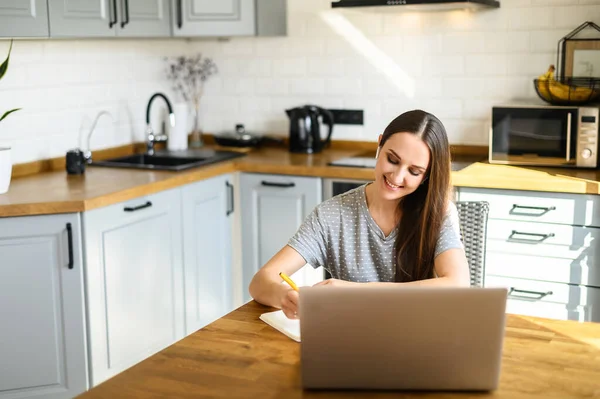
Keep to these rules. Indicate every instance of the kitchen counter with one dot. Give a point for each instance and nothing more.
(57, 192)
(239, 356)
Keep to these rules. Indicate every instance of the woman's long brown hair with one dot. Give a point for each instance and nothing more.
(422, 212)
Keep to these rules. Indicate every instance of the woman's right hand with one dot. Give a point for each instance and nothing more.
(289, 303)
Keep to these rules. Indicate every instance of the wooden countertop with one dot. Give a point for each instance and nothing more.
(239, 356)
(57, 192)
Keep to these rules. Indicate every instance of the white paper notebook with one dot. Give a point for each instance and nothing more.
(279, 321)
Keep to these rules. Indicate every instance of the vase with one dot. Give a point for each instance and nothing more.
(196, 140)
(5, 169)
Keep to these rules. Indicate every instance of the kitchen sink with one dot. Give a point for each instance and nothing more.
(169, 160)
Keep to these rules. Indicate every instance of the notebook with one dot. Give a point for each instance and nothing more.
(279, 321)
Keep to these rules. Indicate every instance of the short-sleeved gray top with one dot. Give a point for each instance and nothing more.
(341, 235)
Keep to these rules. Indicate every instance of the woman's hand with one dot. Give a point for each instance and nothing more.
(334, 282)
(289, 304)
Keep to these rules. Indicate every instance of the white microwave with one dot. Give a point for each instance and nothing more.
(544, 136)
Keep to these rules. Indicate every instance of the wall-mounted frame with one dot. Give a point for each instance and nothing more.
(579, 57)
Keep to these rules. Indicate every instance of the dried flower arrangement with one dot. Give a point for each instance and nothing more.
(188, 75)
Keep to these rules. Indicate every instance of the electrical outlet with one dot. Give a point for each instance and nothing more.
(347, 116)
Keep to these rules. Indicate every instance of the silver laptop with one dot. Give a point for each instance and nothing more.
(413, 338)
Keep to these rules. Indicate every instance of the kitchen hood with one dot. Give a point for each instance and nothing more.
(419, 5)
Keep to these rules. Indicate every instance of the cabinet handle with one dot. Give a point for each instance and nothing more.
(537, 294)
(274, 184)
(70, 245)
(148, 204)
(543, 210)
(230, 195)
(113, 19)
(179, 14)
(125, 12)
(541, 237)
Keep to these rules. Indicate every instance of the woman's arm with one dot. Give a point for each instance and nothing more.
(451, 267)
(266, 286)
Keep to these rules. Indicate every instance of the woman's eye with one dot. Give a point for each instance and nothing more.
(392, 161)
(415, 172)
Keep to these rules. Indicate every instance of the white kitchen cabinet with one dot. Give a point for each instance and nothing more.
(273, 208)
(208, 212)
(134, 281)
(546, 247)
(42, 338)
(110, 18)
(20, 18)
(229, 17)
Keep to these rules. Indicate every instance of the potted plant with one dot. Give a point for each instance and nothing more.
(5, 161)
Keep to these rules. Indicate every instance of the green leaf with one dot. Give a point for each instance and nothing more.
(8, 113)
(4, 66)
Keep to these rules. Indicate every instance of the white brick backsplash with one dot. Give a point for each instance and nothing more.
(307, 86)
(290, 67)
(485, 65)
(458, 63)
(510, 42)
(443, 65)
(530, 18)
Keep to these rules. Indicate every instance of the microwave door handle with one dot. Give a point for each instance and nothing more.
(569, 137)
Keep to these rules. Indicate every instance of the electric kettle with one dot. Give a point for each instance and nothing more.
(305, 128)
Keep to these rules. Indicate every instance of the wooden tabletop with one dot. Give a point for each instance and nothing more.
(239, 356)
(58, 192)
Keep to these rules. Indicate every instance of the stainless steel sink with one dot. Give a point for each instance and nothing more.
(169, 160)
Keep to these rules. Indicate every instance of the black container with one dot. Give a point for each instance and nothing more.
(75, 162)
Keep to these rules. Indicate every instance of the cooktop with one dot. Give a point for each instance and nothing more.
(369, 162)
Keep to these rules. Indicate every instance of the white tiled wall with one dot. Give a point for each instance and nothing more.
(455, 64)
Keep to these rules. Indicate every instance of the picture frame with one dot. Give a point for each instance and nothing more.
(582, 58)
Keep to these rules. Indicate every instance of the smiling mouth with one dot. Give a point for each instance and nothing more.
(390, 185)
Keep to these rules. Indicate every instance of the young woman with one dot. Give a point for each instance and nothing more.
(401, 228)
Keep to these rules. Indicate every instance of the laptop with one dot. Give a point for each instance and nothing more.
(408, 338)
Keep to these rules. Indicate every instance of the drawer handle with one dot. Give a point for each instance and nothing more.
(274, 184)
(137, 208)
(70, 245)
(542, 210)
(535, 295)
(540, 237)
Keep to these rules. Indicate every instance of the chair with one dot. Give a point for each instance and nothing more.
(473, 216)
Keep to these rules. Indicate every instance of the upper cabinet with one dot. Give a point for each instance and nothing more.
(229, 17)
(144, 18)
(20, 18)
(109, 18)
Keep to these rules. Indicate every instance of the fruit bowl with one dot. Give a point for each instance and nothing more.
(568, 91)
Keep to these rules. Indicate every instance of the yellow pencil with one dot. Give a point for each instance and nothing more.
(288, 280)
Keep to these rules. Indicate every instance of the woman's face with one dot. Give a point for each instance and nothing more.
(401, 166)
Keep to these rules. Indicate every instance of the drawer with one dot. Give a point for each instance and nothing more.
(550, 300)
(543, 251)
(560, 270)
(535, 206)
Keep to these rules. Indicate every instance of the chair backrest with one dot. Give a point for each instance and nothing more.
(473, 216)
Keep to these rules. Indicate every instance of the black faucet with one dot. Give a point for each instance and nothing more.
(151, 136)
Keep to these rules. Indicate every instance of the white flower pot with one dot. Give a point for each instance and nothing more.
(5, 169)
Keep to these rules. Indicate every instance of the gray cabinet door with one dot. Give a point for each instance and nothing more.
(42, 333)
(134, 281)
(20, 18)
(213, 18)
(207, 222)
(144, 18)
(273, 207)
(83, 18)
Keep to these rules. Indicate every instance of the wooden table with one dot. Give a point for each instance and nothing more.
(239, 356)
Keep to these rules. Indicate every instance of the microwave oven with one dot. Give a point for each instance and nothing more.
(544, 136)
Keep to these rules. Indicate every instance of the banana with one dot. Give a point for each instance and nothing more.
(543, 83)
(550, 89)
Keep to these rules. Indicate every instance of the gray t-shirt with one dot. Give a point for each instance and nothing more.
(341, 235)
